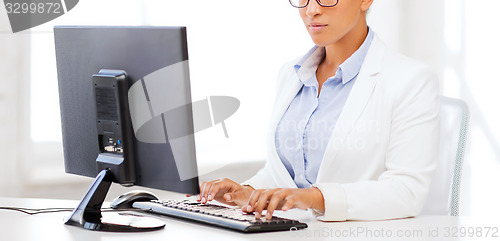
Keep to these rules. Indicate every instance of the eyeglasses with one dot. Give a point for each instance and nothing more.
(304, 3)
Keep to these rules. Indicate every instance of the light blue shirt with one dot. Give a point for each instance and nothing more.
(305, 129)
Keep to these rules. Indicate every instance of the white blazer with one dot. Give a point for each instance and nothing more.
(383, 151)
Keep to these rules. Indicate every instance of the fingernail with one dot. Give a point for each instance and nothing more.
(203, 200)
(268, 216)
(227, 197)
(249, 208)
(198, 198)
(284, 208)
(209, 197)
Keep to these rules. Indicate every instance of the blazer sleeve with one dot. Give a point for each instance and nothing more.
(401, 190)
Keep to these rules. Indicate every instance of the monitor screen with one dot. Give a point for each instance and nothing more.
(154, 61)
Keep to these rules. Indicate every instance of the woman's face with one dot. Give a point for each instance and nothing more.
(329, 25)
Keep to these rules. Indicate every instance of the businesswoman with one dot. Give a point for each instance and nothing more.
(354, 131)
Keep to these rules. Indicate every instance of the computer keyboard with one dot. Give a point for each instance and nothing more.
(218, 215)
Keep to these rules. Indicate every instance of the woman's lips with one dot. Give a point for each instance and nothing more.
(317, 26)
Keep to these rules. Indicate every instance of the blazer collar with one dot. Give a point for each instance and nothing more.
(370, 68)
(357, 100)
(359, 97)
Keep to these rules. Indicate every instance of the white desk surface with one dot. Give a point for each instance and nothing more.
(19, 226)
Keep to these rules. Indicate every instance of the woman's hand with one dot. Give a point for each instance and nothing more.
(225, 191)
(284, 199)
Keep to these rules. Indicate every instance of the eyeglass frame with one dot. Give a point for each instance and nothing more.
(318, 1)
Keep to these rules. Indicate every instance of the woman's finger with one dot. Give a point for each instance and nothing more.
(252, 200)
(274, 202)
(204, 191)
(222, 185)
(262, 202)
(289, 203)
(238, 197)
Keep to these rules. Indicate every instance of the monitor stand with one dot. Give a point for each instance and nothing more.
(88, 214)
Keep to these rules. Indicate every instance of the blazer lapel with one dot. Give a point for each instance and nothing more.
(284, 101)
(355, 104)
(291, 87)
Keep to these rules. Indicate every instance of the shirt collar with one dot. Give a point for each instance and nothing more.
(351, 66)
(306, 67)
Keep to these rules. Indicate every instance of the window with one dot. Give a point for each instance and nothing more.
(232, 52)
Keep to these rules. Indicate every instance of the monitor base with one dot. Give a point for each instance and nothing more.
(88, 213)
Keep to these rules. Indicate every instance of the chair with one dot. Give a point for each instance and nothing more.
(444, 193)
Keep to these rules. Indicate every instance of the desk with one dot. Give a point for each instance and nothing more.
(16, 226)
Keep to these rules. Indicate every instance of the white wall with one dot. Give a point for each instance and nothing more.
(14, 71)
(236, 49)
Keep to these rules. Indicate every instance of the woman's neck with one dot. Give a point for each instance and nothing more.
(338, 52)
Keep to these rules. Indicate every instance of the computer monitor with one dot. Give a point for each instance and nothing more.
(126, 112)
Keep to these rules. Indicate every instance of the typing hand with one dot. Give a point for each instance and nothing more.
(225, 191)
(283, 199)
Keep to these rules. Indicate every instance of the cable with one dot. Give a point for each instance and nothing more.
(35, 211)
(32, 211)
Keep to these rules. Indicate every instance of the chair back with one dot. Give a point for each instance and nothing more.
(444, 193)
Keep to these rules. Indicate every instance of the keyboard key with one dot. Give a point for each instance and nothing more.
(222, 216)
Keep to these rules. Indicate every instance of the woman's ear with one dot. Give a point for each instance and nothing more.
(365, 4)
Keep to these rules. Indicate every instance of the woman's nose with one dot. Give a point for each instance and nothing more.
(313, 8)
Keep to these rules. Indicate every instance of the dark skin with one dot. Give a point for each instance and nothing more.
(341, 30)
